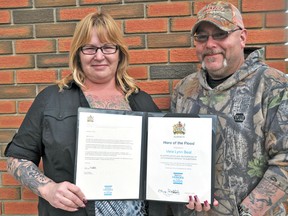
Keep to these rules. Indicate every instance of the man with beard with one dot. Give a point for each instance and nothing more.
(250, 100)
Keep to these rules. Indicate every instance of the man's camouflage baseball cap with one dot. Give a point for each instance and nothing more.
(222, 14)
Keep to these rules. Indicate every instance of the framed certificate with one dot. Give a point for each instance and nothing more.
(142, 155)
(179, 158)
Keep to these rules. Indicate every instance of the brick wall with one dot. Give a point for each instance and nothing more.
(35, 37)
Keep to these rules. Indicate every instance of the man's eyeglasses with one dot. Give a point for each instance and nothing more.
(92, 50)
(201, 37)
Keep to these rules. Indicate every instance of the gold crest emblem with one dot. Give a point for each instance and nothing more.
(90, 118)
(179, 128)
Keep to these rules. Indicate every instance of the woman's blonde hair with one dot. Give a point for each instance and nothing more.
(107, 31)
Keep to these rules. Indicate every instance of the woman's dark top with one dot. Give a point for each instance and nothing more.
(49, 132)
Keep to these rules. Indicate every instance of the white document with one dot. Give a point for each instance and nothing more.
(136, 155)
(108, 155)
(179, 159)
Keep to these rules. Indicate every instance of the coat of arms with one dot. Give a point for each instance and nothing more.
(90, 118)
(179, 128)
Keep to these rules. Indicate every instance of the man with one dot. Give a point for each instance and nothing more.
(250, 100)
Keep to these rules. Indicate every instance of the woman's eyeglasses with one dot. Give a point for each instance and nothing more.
(92, 50)
(201, 37)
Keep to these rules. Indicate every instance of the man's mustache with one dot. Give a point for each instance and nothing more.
(212, 52)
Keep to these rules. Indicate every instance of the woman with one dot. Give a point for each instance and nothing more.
(99, 79)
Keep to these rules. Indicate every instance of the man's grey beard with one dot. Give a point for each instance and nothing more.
(224, 64)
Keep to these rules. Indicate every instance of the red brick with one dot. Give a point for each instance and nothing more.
(64, 73)
(27, 194)
(163, 102)
(124, 11)
(253, 20)
(20, 61)
(19, 91)
(35, 46)
(22, 208)
(15, 3)
(183, 55)
(135, 41)
(58, 3)
(52, 60)
(9, 180)
(182, 23)
(169, 40)
(6, 77)
(23, 106)
(36, 76)
(9, 193)
(5, 47)
(266, 36)
(7, 107)
(262, 5)
(278, 19)
(138, 72)
(55, 29)
(83, 2)
(280, 65)
(148, 56)
(6, 135)
(276, 51)
(154, 87)
(169, 9)
(10, 121)
(33, 16)
(65, 14)
(5, 17)
(25, 31)
(3, 165)
(64, 44)
(146, 25)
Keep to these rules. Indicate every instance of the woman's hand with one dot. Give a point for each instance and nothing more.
(195, 204)
(64, 195)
